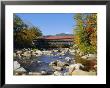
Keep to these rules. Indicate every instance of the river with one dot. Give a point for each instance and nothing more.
(42, 62)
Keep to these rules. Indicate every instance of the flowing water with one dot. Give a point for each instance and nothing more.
(41, 63)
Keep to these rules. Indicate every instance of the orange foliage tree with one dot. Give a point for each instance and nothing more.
(86, 32)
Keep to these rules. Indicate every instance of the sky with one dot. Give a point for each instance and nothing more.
(50, 23)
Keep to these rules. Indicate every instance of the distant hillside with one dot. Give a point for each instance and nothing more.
(63, 34)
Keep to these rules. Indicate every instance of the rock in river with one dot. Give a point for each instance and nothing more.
(20, 70)
(43, 72)
(73, 67)
(57, 73)
(57, 63)
(57, 68)
(16, 65)
(35, 73)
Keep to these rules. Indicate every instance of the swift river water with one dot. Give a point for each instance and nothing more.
(41, 63)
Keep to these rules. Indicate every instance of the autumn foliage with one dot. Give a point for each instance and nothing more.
(23, 34)
(86, 32)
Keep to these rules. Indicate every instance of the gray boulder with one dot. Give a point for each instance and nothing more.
(16, 65)
(74, 67)
(57, 73)
(20, 70)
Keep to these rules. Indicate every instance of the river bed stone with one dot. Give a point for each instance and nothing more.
(47, 62)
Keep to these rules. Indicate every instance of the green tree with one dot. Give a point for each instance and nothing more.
(18, 24)
(23, 34)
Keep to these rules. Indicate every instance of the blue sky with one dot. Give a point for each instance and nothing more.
(50, 23)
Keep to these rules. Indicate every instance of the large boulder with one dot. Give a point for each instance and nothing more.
(91, 64)
(68, 59)
(26, 54)
(73, 67)
(89, 56)
(16, 65)
(14, 54)
(66, 74)
(33, 54)
(72, 50)
(60, 64)
(57, 63)
(54, 63)
(43, 72)
(38, 52)
(88, 63)
(34, 73)
(19, 52)
(57, 73)
(84, 57)
(57, 68)
(21, 69)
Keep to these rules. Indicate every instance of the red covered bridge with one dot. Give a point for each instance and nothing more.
(54, 41)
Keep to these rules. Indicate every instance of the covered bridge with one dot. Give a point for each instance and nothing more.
(54, 41)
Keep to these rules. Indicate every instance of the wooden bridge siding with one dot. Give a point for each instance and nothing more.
(48, 43)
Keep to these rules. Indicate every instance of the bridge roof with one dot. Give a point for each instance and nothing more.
(57, 37)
